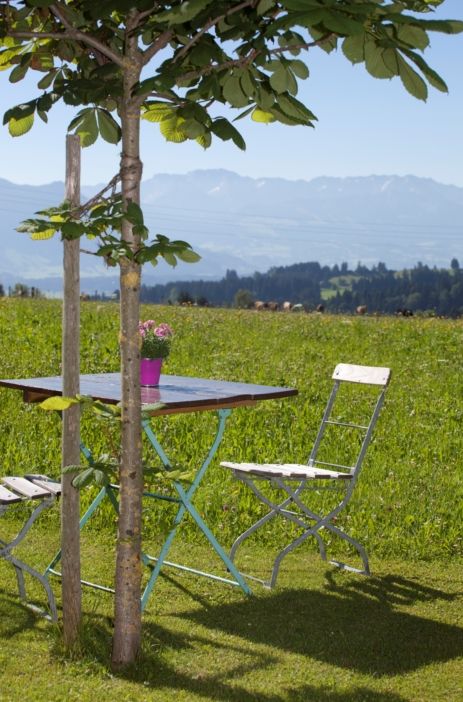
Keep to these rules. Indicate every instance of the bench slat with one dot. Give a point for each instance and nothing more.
(7, 497)
(46, 483)
(292, 471)
(24, 487)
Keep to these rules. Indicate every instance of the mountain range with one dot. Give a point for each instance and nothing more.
(249, 224)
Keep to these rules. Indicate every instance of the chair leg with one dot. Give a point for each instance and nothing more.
(358, 547)
(274, 511)
(21, 567)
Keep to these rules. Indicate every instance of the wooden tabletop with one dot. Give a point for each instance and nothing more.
(177, 393)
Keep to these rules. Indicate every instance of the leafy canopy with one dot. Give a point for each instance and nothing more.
(201, 52)
(194, 56)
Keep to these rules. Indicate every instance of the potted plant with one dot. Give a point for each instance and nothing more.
(155, 341)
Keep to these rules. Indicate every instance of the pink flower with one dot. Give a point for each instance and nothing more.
(163, 330)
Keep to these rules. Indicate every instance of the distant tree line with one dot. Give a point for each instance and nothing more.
(20, 290)
(339, 288)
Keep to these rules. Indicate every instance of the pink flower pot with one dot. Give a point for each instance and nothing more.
(150, 371)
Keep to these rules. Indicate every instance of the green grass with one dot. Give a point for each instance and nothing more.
(321, 636)
(409, 501)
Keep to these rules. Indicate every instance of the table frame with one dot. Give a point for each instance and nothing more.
(198, 395)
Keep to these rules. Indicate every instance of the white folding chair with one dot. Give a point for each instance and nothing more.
(16, 490)
(295, 480)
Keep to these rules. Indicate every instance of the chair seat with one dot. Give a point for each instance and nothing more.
(291, 471)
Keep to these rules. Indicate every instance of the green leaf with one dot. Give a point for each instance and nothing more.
(72, 230)
(414, 36)
(156, 112)
(225, 131)
(264, 6)
(169, 258)
(71, 469)
(354, 48)
(58, 403)
(374, 61)
(18, 73)
(172, 130)
(341, 24)
(300, 69)
(84, 478)
(432, 77)
(47, 80)
(188, 256)
(390, 58)
(279, 80)
(233, 92)
(247, 84)
(87, 128)
(109, 128)
(412, 81)
(18, 127)
(204, 140)
(151, 407)
(184, 12)
(193, 129)
(262, 117)
(295, 109)
(42, 236)
(134, 214)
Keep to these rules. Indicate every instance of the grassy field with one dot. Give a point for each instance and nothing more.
(409, 502)
(322, 635)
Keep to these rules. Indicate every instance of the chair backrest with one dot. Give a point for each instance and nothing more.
(363, 375)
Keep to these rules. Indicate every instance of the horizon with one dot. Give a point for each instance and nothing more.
(241, 175)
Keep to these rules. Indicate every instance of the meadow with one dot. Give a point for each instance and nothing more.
(322, 635)
(409, 501)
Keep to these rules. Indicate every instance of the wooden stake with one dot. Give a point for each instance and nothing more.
(70, 507)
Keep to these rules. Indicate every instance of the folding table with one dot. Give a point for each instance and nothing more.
(177, 394)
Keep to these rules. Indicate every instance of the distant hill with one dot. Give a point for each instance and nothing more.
(421, 289)
(249, 224)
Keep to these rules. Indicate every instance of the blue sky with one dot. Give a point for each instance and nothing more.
(366, 126)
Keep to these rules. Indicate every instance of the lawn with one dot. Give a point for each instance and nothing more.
(321, 634)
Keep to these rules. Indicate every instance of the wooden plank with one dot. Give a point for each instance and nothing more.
(24, 487)
(291, 471)
(45, 482)
(369, 375)
(7, 497)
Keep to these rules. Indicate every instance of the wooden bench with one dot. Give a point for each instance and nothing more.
(15, 490)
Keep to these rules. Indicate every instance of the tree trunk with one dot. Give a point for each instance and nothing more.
(70, 455)
(127, 627)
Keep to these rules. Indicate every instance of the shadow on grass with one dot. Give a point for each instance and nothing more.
(153, 672)
(15, 616)
(353, 625)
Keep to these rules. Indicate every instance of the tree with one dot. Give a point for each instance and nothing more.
(243, 299)
(240, 53)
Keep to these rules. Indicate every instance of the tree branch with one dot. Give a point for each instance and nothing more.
(161, 42)
(246, 60)
(77, 35)
(211, 23)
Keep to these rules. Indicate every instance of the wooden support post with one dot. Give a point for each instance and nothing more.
(70, 512)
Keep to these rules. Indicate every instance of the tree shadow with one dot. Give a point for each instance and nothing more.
(353, 625)
(218, 681)
(16, 616)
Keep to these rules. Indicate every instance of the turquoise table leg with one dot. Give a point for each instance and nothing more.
(185, 500)
(106, 491)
